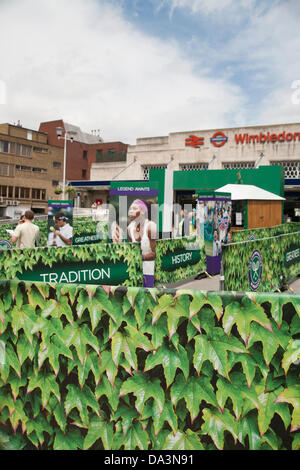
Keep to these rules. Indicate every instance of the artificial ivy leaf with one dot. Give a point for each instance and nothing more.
(72, 440)
(131, 295)
(168, 415)
(51, 348)
(170, 360)
(80, 337)
(112, 393)
(4, 318)
(268, 407)
(248, 363)
(10, 441)
(291, 354)
(38, 427)
(122, 343)
(157, 331)
(239, 393)
(99, 429)
(81, 399)
(16, 383)
(141, 306)
(24, 318)
(164, 302)
(248, 427)
(127, 415)
(188, 440)
(58, 411)
(11, 359)
(292, 395)
(243, 314)
(216, 423)
(138, 338)
(136, 438)
(108, 366)
(193, 391)
(270, 340)
(214, 349)
(17, 414)
(47, 384)
(143, 388)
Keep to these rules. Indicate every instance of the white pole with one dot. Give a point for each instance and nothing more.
(64, 173)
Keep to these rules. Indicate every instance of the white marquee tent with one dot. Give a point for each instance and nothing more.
(248, 192)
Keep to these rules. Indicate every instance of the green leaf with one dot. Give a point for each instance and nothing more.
(99, 429)
(243, 314)
(170, 360)
(216, 423)
(214, 349)
(24, 318)
(164, 302)
(144, 388)
(47, 384)
(239, 393)
(248, 427)
(121, 343)
(193, 391)
(38, 427)
(136, 438)
(112, 393)
(80, 337)
(292, 354)
(81, 399)
(58, 411)
(268, 407)
(72, 440)
(270, 340)
(168, 415)
(292, 395)
(188, 440)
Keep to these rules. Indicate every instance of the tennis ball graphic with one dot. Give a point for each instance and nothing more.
(51, 229)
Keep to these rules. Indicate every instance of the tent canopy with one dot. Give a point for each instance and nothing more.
(248, 192)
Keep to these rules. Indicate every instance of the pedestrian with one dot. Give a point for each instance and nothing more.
(26, 233)
(64, 231)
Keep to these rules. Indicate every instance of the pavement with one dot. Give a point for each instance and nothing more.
(212, 283)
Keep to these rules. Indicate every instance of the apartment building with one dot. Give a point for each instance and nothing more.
(30, 169)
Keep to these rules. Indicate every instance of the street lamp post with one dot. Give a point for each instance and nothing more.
(69, 135)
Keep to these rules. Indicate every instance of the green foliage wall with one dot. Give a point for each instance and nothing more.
(275, 272)
(171, 246)
(87, 367)
(258, 233)
(14, 263)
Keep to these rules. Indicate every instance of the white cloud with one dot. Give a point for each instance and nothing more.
(83, 62)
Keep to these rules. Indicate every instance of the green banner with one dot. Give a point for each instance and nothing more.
(179, 258)
(292, 256)
(87, 238)
(88, 273)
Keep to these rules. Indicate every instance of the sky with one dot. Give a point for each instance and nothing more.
(146, 68)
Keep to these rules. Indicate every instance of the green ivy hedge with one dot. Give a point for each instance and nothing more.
(165, 246)
(275, 272)
(87, 367)
(243, 235)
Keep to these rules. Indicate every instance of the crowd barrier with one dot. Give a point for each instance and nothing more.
(263, 265)
(125, 368)
(265, 232)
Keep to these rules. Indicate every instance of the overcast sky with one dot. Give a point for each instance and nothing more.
(145, 68)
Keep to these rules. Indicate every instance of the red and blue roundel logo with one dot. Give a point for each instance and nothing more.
(219, 139)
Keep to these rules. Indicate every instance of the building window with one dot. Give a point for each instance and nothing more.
(192, 166)
(55, 183)
(3, 191)
(291, 169)
(237, 165)
(10, 191)
(39, 170)
(24, 193)
(6, 169)
(84, 155)
(40, 150)
(147, 168)
(7, 147)
(23, 150)
(56, 164)
(83, 172)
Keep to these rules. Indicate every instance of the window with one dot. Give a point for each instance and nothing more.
(55, 183)
(291, 169)
(6, 169)
(10, 191)
(38, 193)
(40, 150)
(147, 168)
(7, 147)
(84, 155)
(56, 164)
(237, 165)
(192, 166)
(83, 172)
(39, 170)
(3, 191)
(23, 150)
(24, 193)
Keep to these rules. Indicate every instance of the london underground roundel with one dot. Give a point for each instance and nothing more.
(219, 139)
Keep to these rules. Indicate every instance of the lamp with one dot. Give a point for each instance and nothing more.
(69, 135)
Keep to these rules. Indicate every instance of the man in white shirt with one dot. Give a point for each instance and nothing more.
(25, 234)
(64, 234)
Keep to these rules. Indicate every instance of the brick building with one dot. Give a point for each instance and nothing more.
(85, 150)
(30, 169)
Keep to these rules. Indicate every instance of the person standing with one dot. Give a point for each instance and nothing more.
(26, 233)
(64, 233)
